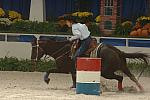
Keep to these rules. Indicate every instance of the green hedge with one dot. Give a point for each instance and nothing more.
(29, 26)
(26, 26)
(13, 64)
(94, 29)
(123, 29)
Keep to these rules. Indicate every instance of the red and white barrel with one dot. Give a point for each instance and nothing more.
(88, 76)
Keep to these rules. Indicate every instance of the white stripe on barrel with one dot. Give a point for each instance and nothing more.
(88, 76)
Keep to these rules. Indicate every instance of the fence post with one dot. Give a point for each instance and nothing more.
(88, 76)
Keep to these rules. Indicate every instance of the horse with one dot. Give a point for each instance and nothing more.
(113, 59)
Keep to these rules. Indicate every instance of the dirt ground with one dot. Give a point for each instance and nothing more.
(30, 86)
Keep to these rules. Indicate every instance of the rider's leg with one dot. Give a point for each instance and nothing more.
(84, 46)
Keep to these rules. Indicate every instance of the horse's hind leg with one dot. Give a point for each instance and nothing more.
(132, 77)
(111, 75)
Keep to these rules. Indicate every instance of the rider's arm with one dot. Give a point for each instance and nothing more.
(76, 34)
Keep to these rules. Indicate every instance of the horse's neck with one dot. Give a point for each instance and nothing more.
(55, 49)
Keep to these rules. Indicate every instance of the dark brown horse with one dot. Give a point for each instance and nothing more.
(112, 59)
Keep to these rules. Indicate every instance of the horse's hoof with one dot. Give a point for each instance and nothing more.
(47, 81)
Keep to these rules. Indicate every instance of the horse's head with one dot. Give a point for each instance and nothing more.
(48, 47)
(58, 50)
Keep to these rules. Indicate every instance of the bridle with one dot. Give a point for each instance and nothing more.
(59, 50)
(37, 50)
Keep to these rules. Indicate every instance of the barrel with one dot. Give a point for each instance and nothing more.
(88, 76)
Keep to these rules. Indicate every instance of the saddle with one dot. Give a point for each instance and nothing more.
(76, 45)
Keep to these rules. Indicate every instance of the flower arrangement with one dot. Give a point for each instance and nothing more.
(82, 14)
(5, 21)
(98, 19)
(7, 18)
(127, 24)
(83, 17)
(126, 27)
(142, 27)
(2, 13)
(5, 24)
(143, 20)
(13, 15)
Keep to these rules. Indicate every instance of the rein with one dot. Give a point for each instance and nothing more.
(58, 56)
(37, 51)
(58, 50)
(62, 55)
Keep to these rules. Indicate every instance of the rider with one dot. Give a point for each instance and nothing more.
(81, 33)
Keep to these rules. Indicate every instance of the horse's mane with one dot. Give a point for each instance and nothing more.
(53, 41)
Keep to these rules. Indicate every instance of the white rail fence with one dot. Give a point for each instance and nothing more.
(18, 45)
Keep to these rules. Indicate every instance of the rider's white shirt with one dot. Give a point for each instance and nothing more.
(80, 31)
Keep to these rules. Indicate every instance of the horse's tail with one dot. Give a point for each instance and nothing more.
(142, 56)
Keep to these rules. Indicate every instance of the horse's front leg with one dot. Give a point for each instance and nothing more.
(46, 79)
(46, 75)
